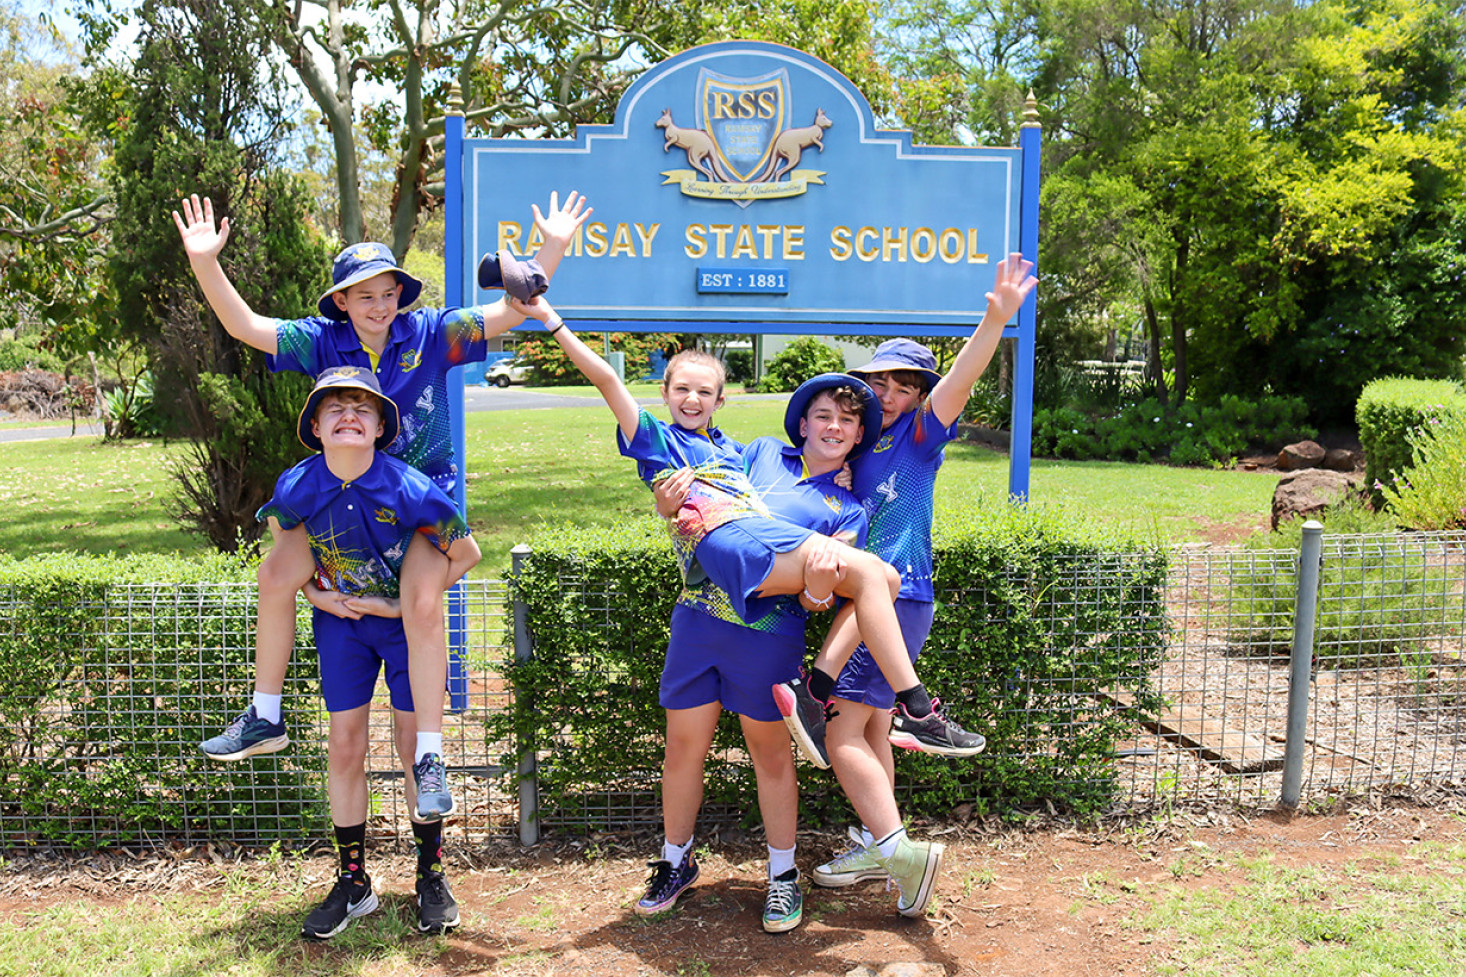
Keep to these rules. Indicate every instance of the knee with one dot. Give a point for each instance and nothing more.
(346, 752)
(893, 580)
(281, 579)
(422, 604)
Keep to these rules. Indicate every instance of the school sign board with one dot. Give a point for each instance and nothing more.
(745, 187)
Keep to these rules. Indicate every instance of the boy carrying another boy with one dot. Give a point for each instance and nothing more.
(362, 512)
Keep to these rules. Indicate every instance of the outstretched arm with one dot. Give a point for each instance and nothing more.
(202, 243)
(1012, 286)
(596, 370)
(557, 228)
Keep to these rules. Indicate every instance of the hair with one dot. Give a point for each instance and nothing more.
(846, 398)
(912, 378)
(694, 357)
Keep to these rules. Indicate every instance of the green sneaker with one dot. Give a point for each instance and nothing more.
(857, 864)
(914, 870)
(784, 905)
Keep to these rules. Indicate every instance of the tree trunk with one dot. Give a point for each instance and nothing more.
(1179, 313)
(1153, 351)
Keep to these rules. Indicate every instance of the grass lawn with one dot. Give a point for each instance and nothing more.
(531, 468)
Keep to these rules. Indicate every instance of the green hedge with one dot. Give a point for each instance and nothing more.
(109, 687)
(1389, 412)
(1037, 616)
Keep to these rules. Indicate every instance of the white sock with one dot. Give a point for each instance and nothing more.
(267, 706)
(675, 853)
(781, 860)
(866, 838)
(887, 846)
(428, 743)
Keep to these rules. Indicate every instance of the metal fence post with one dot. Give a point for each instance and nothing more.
(1300, 675)
(529, 788)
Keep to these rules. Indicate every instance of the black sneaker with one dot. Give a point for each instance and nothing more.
(247, 736)
(666, 884)
(805, 717)
(437, 911)
(933, 733)
(434, 803)
(346, 901)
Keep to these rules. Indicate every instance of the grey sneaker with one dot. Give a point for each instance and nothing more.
(914, 870)
(933, 733)
(346, 901)
(784, 905)
(805, 716)
(856, 864)
(247, 736)
(434, 803)
(437, 910)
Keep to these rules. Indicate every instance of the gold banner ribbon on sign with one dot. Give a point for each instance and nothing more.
(687, 181)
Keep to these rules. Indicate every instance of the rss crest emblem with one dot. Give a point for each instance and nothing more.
(741, 147)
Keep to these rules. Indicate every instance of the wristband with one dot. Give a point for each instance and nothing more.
(559, 324)
(816, 602)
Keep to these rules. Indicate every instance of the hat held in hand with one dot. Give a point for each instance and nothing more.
(522, 278)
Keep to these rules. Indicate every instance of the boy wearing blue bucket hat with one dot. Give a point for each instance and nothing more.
(362, 512)
(360, 323)
(895, 481)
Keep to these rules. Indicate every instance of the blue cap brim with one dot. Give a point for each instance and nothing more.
(811, 388)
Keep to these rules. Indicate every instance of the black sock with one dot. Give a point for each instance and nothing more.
(351, 847)
(427, 838)
(820, 684)
(918, 704)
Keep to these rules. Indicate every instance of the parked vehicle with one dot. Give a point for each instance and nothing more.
(505, 372)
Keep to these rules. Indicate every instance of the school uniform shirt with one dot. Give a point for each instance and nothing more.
(721, 493)
(775, 470)
(895, 480)
(422, 346)
(359, 530)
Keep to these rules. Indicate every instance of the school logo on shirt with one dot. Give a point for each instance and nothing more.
(386, 515)
(884, 444)
(833, 503)
(411, 360)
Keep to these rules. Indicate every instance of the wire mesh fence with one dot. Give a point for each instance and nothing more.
(107, 744)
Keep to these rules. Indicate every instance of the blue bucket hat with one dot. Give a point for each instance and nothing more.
(343, 378)
(814, 386)
(522, 278)
(357, 263)
(902, 354)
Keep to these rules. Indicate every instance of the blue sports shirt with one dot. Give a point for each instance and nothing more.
(422, 346)
(359, 530)
(895, 480)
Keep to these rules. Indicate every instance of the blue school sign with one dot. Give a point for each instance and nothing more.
(746, 188)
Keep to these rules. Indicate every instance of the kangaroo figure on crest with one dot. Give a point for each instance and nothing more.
(790, 144)
(702, 155)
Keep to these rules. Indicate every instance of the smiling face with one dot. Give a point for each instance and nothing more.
(897, 395)
(348, 419)
(692, 391)
(831, 428)
(371, 305)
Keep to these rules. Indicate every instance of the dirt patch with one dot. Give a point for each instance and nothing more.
(1057, 901)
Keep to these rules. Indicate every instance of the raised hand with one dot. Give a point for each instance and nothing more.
(196, 227)
(560, 224)
(1014, 283)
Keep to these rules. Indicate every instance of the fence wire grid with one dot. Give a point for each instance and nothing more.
(1387, 703)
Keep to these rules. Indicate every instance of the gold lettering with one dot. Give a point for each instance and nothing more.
(793, 243)
(950, 245)
(893, 241)
(840, 248)
(621, 245)
(974, 257)
(746, 107)
(595, 238)
(768, 232)
(767, 104)
(509, 232)
(722, 105)
(863, 251)
(697, 242)
(647, 235)
(923, 244)
(720, 234)
(743, 244)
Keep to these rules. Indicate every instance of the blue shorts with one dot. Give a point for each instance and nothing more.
(739, 555)
(352, 652)
(861, 679)
(709, 660)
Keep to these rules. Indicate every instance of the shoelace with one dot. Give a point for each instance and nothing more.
(781, 896)
(663, 876)
(431, 779)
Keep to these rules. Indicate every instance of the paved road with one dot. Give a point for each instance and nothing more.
(47, 433)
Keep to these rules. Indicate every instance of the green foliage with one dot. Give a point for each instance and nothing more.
(1190, 435)
(553, 368)
(1037, 617)
(114, 670)
(803, 358)
(26, 353)
(1431, 492)
(1390, 413)
(739, 365)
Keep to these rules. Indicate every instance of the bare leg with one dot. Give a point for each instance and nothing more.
(405, 738)
(689, 737)
(346, 750)
(840, 642)
(778, 785)
(867, 782)
(424, 581)
(285, 569)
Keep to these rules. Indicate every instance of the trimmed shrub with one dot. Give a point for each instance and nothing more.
(797, 362)
(1431, 492)
(1389, 413)
(1038, 619)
